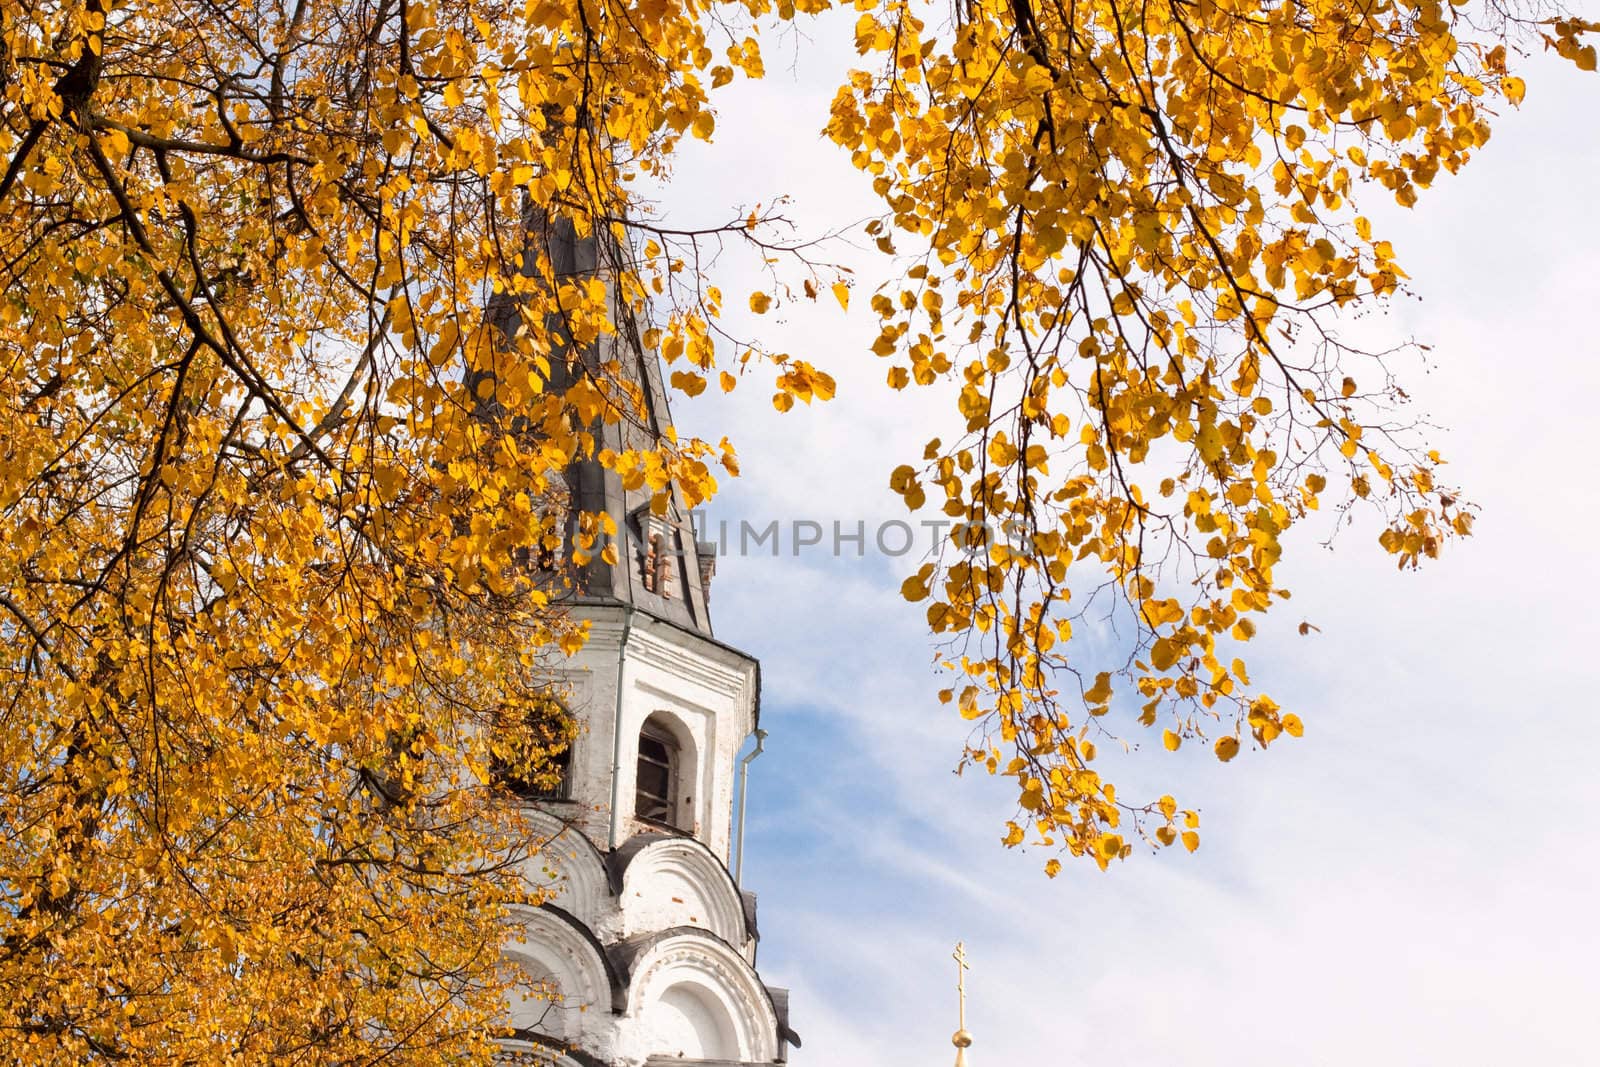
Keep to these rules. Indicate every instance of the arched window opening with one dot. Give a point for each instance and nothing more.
(667, 774)
(531, 752)
(656, 796)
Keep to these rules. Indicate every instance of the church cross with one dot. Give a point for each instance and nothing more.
(960, 956)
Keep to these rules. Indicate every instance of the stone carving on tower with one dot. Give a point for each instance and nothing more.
(644, 951)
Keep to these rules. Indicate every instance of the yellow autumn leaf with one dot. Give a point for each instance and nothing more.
(690, 383)
(914, 588)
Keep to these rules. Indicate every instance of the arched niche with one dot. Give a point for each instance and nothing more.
(677, 881)
(565, 865)
(667, 774)
(536, 1000)
(689, 1021)
(693, 996)
(559, 977)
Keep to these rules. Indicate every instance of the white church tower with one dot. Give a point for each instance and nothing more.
(644, 954)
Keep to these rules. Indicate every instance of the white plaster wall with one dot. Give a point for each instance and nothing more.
(668, 899)
(591, 679)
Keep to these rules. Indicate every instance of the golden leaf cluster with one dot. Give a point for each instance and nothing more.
(1131, 233)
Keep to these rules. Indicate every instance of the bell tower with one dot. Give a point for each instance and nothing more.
(644, 953)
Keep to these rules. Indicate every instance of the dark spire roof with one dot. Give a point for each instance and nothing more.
(660, 568)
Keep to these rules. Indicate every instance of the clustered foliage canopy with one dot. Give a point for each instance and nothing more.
(279, 439)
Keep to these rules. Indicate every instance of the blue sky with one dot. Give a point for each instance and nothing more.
(1411, 883)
